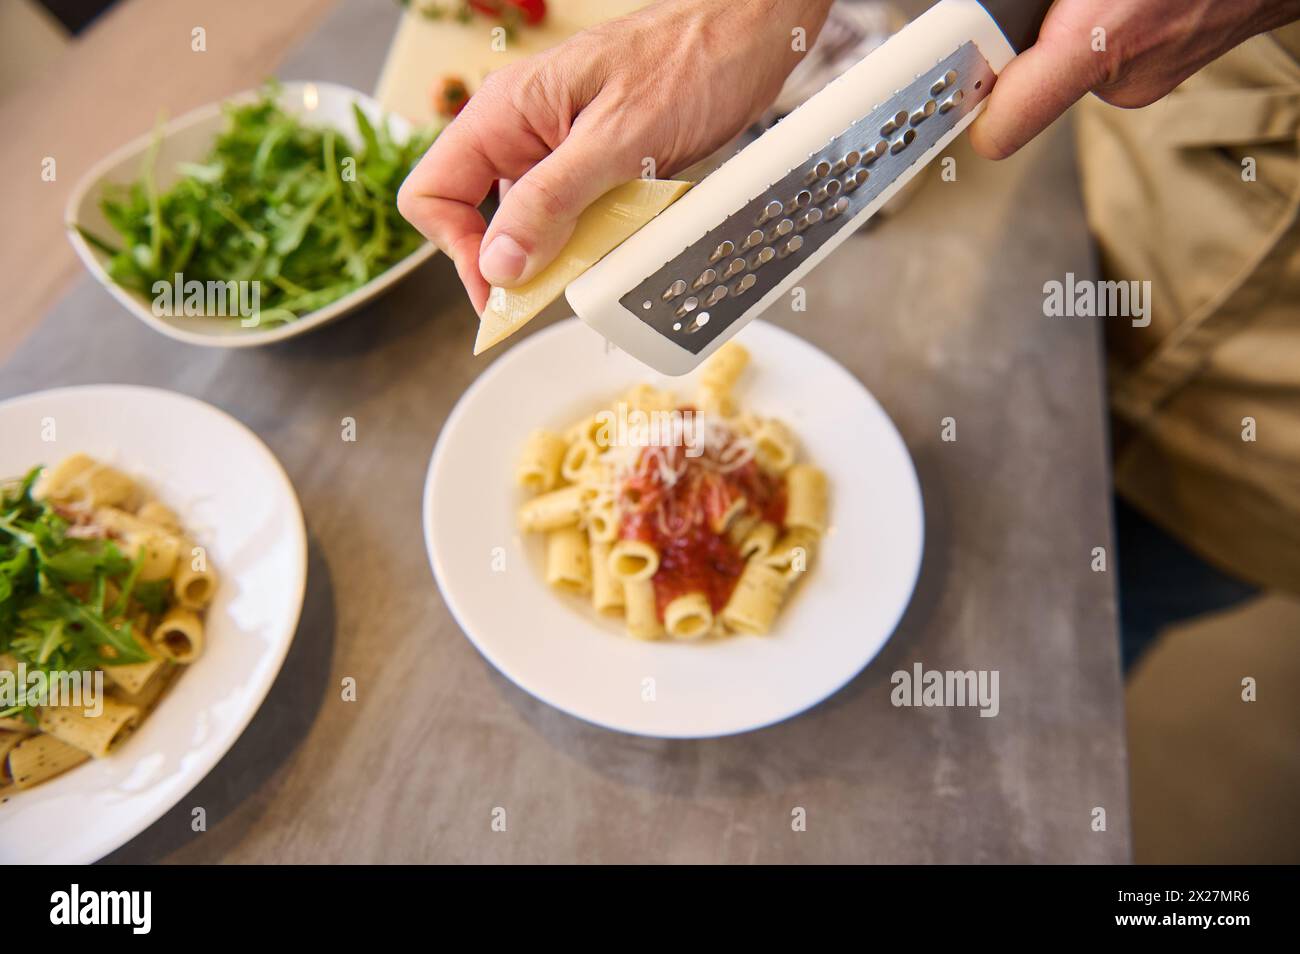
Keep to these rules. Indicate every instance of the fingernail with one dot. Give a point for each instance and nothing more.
(502, 261)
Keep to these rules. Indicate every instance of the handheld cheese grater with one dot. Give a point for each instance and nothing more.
(689, 280)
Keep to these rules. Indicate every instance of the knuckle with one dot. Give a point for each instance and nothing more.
(537, 200)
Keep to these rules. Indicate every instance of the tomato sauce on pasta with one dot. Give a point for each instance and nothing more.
(676, 502)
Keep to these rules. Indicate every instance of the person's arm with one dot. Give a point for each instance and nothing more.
(1128, 52)
(670, 83)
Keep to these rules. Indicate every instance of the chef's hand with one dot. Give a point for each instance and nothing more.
(1150, 47)
(669, 83)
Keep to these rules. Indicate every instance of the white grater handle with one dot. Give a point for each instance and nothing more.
(936, 34)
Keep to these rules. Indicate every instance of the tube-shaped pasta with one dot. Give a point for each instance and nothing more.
(722, 521)
(63, 481)
(193, 581)
(759, 541)
(721, 371)
(602, 520)
(606, 589)
(157, 550)
(579, 455)
(550, 511)
(715, 402)
(40, 757)
(8, 740)
(807, 498)
(118, 522)
(133, 677)
(603, 429)
(160, 515)
(741, 527)
(642, 617)
(774, 446)
(539, 464)
(793, 553)
(633, 560)
(688, 616)
(647, 397)
(599, 429)
(96, 735)
(179, 635)
(755, 600)
(151, 692)
(568, 562)
(80, 478)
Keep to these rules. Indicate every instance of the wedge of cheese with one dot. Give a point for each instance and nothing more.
(606, 223)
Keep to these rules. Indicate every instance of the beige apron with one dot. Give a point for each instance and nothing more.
(1167, 203)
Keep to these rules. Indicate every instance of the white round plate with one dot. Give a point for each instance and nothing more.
(555, 647)
(234, 497)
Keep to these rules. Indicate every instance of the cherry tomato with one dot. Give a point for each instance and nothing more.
(534, 11)
(450, 94)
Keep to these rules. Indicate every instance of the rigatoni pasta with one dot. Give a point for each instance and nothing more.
(691, 519)
(102, 603)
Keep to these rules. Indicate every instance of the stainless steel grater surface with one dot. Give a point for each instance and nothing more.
(696, 296)
(691, 278)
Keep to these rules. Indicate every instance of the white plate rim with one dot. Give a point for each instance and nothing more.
(501, 366)
(125, 833)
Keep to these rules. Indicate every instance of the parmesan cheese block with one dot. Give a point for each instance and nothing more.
(606, 223)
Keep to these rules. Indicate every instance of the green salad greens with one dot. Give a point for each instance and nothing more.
(65, 602)
(299, 209)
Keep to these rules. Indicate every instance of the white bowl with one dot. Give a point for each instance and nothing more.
(232, 494)
(190, 139)
(555, 647)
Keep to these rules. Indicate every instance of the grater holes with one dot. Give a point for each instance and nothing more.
(903, 141)
(734, 267)
(792, 246)
(944, 82)
(807, 207)
(770, 211)
(687, 306)
(808, 219)
(924, 113)
(706, 277)
(872, 153)
(892, 125)
(847, 161)
(784, 227)
(673, 290)
(856, 179)
(819, 171)
(698, 322)
(722, 251)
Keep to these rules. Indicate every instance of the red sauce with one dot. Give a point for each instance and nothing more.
(679, 518)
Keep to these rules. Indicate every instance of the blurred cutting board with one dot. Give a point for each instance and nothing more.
(425, 50)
